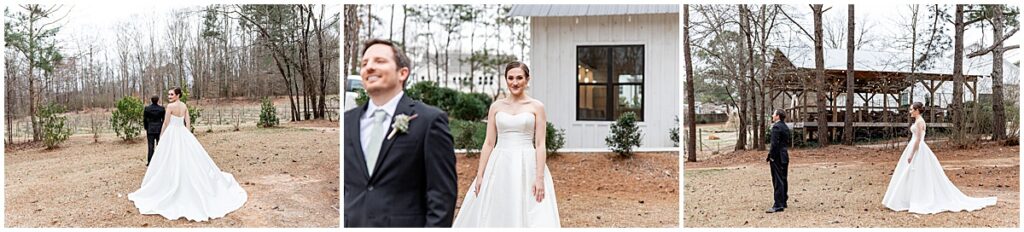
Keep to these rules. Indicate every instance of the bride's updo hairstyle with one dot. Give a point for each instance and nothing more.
(520, 65)
(177, 91)
(918, 107)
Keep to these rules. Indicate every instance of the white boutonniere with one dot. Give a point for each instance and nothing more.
(401, 124)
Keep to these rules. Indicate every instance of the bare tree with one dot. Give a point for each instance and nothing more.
(743, 88)
(958, 76)
(848, 120)
(819, 74)
(995, 16)
(691, 113)
(31, 34)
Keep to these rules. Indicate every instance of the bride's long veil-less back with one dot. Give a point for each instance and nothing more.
(182, 180)
(921, 186)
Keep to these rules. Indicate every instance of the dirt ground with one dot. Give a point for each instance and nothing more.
(290, 174)
(599, 190)
(842, 186)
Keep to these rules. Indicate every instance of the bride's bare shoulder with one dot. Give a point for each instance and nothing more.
(498, 105)
(537, 104)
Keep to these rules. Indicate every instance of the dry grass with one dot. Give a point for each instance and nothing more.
(598, 190)
(291, 175)
(842, 186)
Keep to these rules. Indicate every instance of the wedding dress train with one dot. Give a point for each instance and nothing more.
(922, 187)
(182, 180)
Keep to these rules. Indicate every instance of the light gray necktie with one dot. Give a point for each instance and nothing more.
(376, 138)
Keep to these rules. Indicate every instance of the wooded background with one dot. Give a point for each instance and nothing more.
(726, 49)
(453, 45)
(213, 52)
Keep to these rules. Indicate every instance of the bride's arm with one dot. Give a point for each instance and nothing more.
(919, 129)
(167, 118)
(485, 151)
(188, 117)
(540, 145)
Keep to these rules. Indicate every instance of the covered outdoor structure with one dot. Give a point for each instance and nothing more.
(883, 86)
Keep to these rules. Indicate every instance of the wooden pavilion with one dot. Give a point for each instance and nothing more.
(884, 75)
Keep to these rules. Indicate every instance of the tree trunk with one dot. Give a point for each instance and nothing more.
(351, 39)
(740, 78)
(691, 113)
(391, 24)
(848, 122)
(405, 20)
(998, 111)
(958, 77)
(819, 74)
(36, 132)
(752, 95)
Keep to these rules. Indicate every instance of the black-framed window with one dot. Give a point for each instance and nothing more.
(609, 82)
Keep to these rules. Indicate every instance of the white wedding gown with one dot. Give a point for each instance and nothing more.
(182, 180)
(922, 187)
(505, 198)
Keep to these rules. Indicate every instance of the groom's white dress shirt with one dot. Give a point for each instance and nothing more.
(366, 122)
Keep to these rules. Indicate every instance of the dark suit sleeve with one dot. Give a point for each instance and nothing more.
(145, 118)
(439, 162)
(777, 143)
(160, 114)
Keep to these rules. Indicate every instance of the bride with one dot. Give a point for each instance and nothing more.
(919, 185)
(513, 187)
(183, 181)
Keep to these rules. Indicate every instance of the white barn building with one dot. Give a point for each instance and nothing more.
(591, 63)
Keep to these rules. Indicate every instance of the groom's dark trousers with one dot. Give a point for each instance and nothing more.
(153, 120)
(414, 182)
(778, 159)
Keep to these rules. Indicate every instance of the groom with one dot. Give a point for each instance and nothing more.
(778, 158)
(153, 120)
(399, 157)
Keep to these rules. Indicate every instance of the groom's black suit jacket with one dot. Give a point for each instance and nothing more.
(779, 151)
(153, 119)
(414, 184)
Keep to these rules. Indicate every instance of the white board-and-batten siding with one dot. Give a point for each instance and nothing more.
(553, 72)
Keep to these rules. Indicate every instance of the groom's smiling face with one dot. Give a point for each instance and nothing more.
(380, 72)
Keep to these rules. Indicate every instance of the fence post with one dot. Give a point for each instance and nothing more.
(700, 138)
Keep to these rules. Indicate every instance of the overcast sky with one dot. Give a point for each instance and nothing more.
(99, 21)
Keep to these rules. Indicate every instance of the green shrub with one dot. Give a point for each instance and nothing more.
(624, 135)
(55, 131)
(444, 98)
(673, 133)
(486, 99)
(428, 92)
(464, 106)
(979, 116)
(468, 135)
(420, 91)
(468, 107)
(361, 97)
(126, 120)
(268, 114)
(554, 140)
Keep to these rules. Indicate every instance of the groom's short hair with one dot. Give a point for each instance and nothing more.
(781, 114)
(154, 99)
(401, 60)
